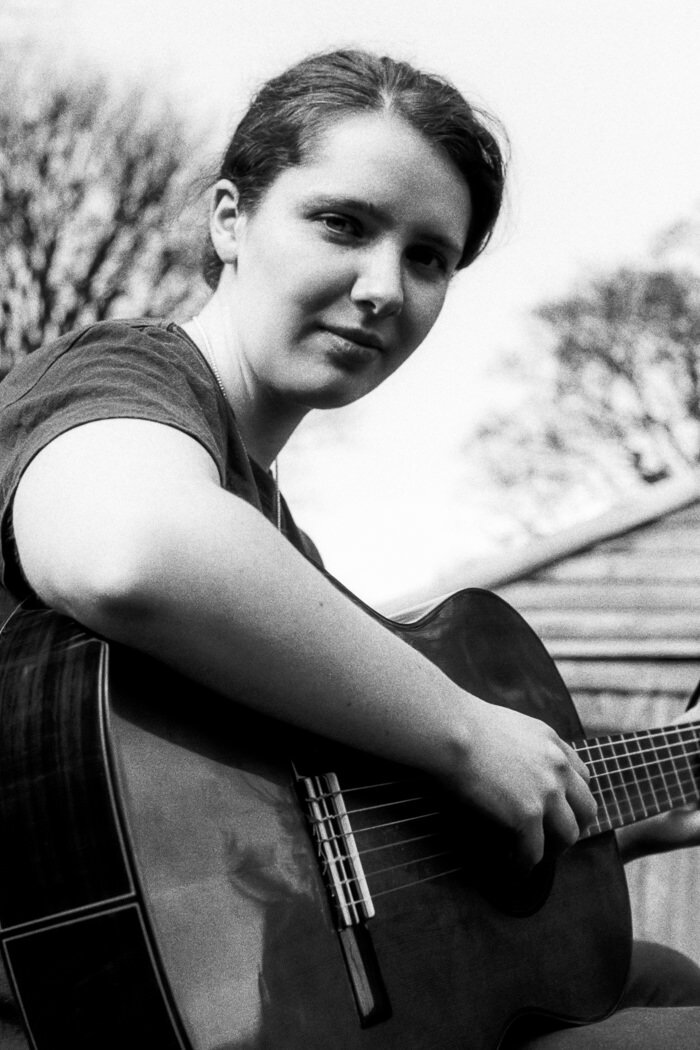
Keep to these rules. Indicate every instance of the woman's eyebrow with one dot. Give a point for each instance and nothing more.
(355, 203)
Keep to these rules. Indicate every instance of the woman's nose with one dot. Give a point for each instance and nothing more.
(379, 282)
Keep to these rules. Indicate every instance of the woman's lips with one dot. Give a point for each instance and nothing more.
(349, 354)
(353, 348)
(357, 336)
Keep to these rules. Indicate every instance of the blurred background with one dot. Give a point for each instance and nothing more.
(562, 374)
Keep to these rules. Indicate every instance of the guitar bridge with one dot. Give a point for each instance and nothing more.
(348, 890)
(337, 849)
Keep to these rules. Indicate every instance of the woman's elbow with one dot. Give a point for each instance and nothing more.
(101, 580)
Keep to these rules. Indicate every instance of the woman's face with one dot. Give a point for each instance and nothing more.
(341, 271)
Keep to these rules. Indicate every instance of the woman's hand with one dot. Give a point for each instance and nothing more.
(678, 829)
(519, 772)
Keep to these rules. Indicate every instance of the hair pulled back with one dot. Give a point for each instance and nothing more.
(291, 111)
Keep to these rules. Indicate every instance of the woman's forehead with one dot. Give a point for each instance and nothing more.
(382, 161)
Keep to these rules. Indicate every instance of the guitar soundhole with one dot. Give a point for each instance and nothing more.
(513, 891)
(486, 858)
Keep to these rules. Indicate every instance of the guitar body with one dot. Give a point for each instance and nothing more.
(160, 887)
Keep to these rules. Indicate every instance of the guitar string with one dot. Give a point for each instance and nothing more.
(592, 761)
(655, 769)
(353, 882)
(596, 742)
(395, 845)
(613, 779)
(597, 826)
(398, 867)
(389, 845)
(579, 746)
(607, 820)
(355, 902)
(598, 780)
(381, 805)
(642, 771)
(683, 793)
(618, 778)
(611, 749)
(417, 882)
(608, 783)
(682, 735)
(351, 901)
(646, 763)
(363, 787)
(616, 790)
(649, 771)
(396, 823)
(615, 800)
(658, 768)
(651, 805)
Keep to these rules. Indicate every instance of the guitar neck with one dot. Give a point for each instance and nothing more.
(641, 774)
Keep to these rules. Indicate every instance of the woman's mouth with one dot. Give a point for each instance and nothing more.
(359, 336)
(354, 346)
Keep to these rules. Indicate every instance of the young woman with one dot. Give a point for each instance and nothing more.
(136, 491)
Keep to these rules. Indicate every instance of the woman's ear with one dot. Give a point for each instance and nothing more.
(224, 220)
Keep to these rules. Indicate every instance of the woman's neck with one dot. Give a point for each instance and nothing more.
(264, 432)
(265, 422)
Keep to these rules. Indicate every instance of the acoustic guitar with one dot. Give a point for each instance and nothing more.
(179, 872)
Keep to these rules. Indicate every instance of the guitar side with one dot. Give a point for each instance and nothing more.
(73, 932)
(235, 919)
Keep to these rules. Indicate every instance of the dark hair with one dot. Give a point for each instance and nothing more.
(290, 111)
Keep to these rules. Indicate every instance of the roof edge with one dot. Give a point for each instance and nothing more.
(496, 570)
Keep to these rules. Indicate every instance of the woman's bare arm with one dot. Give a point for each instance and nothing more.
(123, 525)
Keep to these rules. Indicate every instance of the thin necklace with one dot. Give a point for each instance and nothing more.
(211, 358)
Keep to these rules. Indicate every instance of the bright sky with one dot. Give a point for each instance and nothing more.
(600, 99)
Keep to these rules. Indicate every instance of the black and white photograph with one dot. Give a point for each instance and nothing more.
(349, 525)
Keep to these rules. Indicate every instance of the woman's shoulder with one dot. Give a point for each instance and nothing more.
(106, 340)
(141, 368)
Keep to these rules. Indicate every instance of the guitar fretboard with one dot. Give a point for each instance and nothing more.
(637, 775)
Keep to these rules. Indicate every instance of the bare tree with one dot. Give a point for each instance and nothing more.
(610, 398)
(93, 184)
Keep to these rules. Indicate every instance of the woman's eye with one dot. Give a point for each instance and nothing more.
(341, 224)
(429, 259)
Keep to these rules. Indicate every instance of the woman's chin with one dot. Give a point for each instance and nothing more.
(338, 389)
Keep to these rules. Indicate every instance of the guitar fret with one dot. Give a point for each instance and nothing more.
(618, 786)
(673, 750)
(605, 786)
(598, 786)
(635, 775)
(694, 792)
(662, 792)
(634, 751)
(633, 789)
(674, 759)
